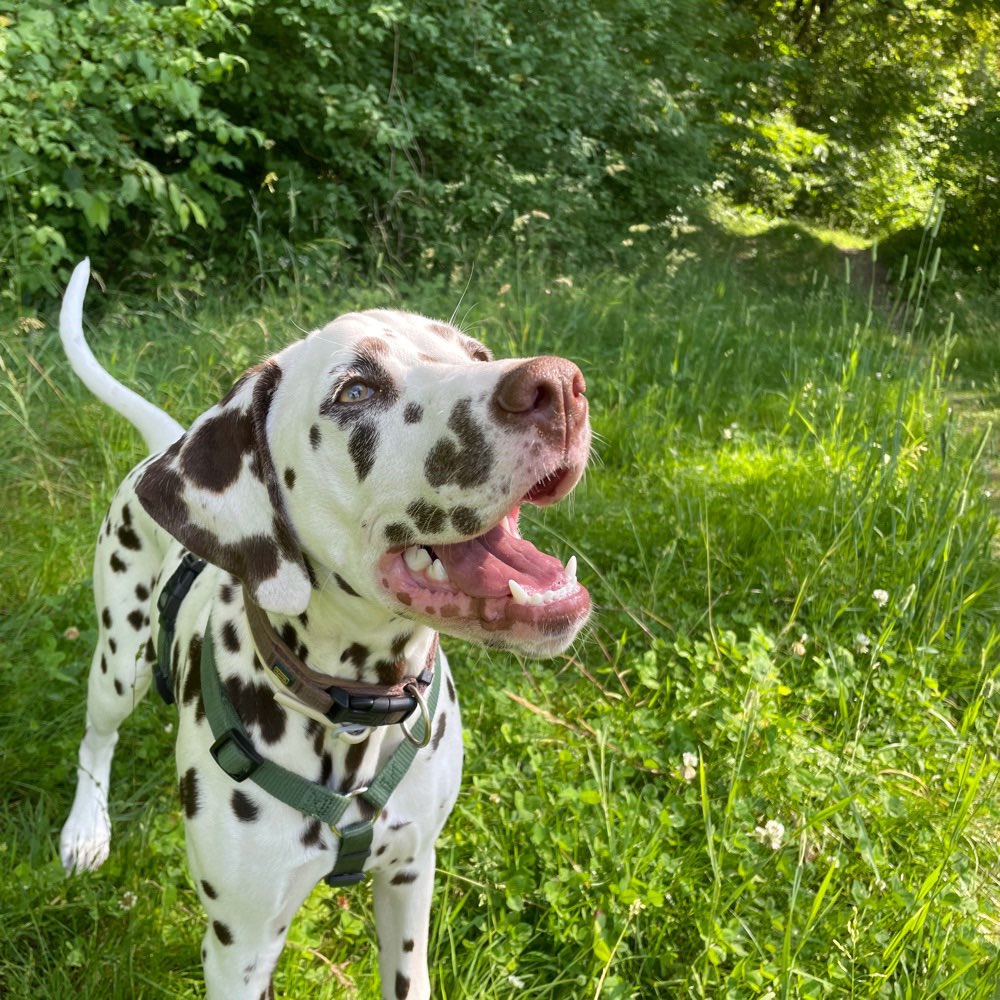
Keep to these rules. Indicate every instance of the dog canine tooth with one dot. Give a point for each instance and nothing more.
(436, 571)
(518, 593)
(571, 568)
(417, 559)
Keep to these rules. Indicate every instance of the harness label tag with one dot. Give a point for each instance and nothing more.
(280, 674)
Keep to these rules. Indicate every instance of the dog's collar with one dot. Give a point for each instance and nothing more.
(344, 704)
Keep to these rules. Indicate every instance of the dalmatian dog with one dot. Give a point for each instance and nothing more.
(354, 495)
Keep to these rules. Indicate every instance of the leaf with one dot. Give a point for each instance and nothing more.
(602, 951)
(96, 209)
(130, 189)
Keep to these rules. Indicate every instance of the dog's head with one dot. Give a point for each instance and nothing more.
(388, 456)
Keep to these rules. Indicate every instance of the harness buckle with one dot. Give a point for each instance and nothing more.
(236, 755)
(355, 845)
(367, 710)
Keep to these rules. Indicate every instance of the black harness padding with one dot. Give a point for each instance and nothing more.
(169, 604)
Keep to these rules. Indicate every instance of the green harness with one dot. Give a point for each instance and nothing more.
(234, 752)
(237, 756)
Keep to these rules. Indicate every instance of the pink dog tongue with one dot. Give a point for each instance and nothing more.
(481, 567)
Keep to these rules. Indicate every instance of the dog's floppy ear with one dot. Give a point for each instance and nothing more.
(216, 491)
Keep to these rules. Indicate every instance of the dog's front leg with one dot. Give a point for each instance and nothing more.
(249, 866)
(402, 918)
(248, 921)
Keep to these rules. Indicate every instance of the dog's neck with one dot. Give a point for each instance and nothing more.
(346, 637)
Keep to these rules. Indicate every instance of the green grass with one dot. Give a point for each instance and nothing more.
(772, 451)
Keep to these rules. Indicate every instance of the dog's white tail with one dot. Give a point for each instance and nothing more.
(159, 430)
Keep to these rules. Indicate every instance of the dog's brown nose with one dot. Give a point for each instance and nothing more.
(546, 393)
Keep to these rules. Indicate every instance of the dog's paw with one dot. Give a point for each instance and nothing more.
(84, 843)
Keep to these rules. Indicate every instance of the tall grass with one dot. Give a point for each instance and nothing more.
(767, 771)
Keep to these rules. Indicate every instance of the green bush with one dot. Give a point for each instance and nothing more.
(413, 133)
(288, 137)
(970, 179)
(107, 143)
(435, 128)
(858, 106)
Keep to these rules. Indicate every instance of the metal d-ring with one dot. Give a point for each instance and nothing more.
(424, 714)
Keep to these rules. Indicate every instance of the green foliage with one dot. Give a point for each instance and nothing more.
(432, 128)
(866, 108)
(971, 225)
(285, 139)
(105, 132)
(409, 134)
(788, 541)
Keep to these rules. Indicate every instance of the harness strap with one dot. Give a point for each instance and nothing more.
(169, 604)
(235, 753)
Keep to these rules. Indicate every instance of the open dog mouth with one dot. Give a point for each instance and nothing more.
(497, 580)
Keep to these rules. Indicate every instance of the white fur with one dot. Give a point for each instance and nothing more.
(157, 428)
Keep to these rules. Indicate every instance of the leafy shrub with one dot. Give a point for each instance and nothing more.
(434, 128)
(860, 107)
(407, 132)
(105, 134)
(971, 182)
(156, 134)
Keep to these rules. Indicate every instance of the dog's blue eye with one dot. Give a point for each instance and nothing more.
(355, 392)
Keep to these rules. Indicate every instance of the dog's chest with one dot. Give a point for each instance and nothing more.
(417, 808)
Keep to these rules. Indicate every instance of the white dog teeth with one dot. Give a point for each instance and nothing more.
(520, 596)
(437, 571)
(417, 558)
(571, 568)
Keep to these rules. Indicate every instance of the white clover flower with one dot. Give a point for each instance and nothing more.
(72, 633)
(881, 597)
(516, 981)
(128, 900)
(689, 766)
(862, 643)
(771, 834)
